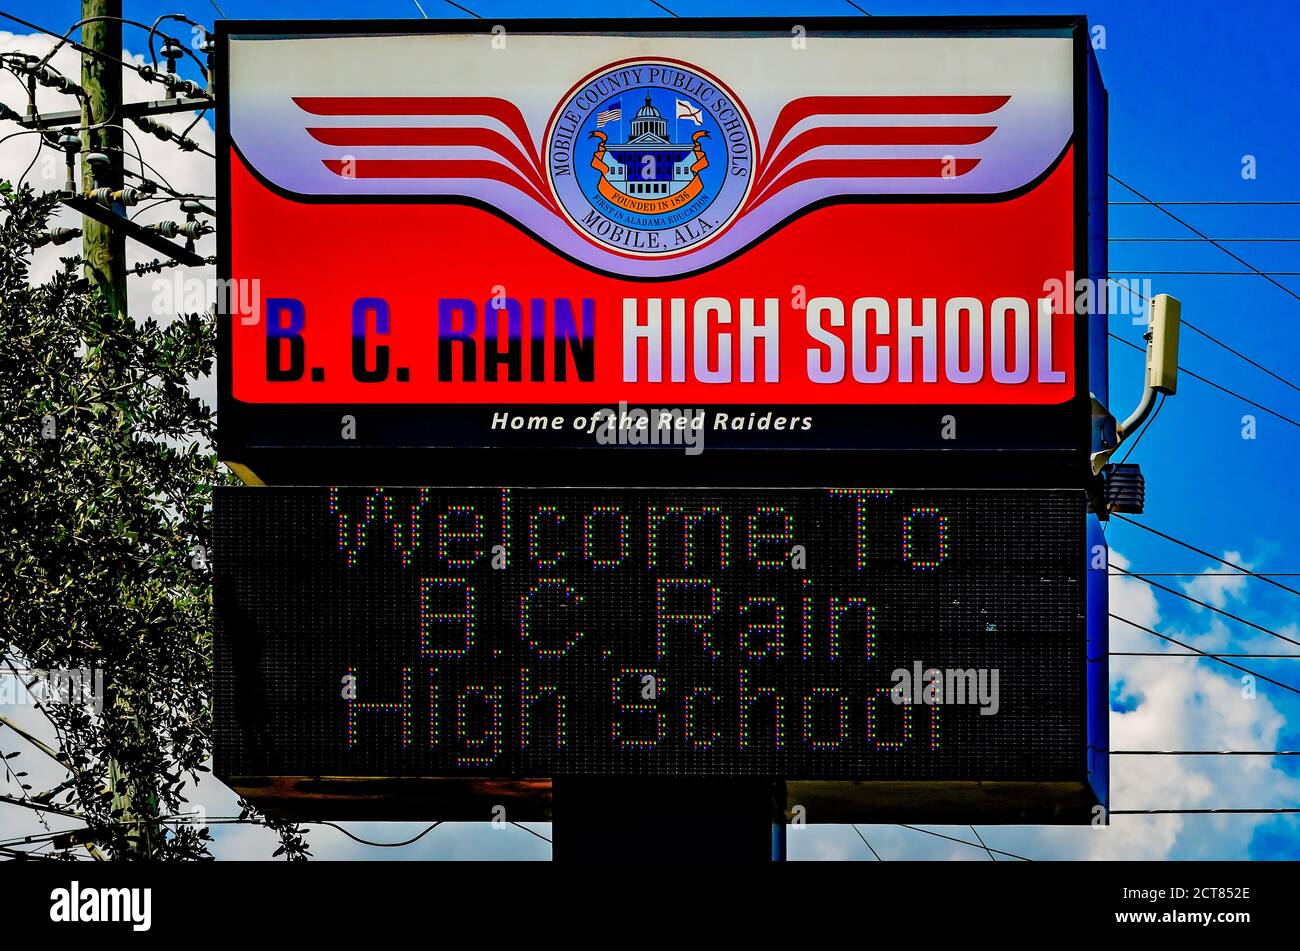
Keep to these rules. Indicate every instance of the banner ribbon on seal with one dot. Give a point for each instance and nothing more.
(650, 206)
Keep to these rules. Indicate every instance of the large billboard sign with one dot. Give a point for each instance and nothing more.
(816, 236)
(840, 258)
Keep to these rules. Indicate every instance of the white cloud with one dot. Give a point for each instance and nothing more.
(1136, 601)
(1218, 584)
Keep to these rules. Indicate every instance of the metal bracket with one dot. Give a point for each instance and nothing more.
(93, 209)
(128, 110)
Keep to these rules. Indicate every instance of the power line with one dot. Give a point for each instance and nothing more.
(40, 807)
(39, 703)
(1217, 386)
(1148, 201)
(981, 842)
(179, 18)
(532, 833)
(1205, 752)
(82, 48)
(225, 820)
(145, 167)
(865, 14)
(24, 789)
(1198, 240)
(18, 855)
(1262, 811)
(180, 818)
(1211, 656)
(1236, 257)
(66, 38)
(1215, 574)
(1262, 576)
(40, 147)
(1228, 663)
(197, 119)
(1211, 607)
(21, 132)
(465, 9)
(1209, 336)
(152, 204)
(1150, 422)
(1252, 273)
(866, 843)
(378, 845)
(964, 842)
(662, 7)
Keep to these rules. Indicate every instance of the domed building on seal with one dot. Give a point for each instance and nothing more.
(649, 164)
(650, 187)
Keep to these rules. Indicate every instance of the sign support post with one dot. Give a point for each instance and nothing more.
(603, 819)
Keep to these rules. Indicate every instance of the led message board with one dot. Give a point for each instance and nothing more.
(536, 632)
(818, 235)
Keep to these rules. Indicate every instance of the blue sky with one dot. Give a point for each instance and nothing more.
(1195, 88)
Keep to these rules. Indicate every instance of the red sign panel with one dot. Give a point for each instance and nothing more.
(841, 228)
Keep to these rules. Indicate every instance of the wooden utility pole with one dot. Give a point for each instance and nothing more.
(103, 247)
(104, 251)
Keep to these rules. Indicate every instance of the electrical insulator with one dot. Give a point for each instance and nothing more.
(171, 51)
(209, 49)
(172, 229)
(99, 163)
(161, 131)
(48, 77)
(156, 129)
(70, 142)
(167, 229)
(108, 197)
(57, 236)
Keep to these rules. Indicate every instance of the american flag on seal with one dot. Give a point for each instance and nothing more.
(612, 114)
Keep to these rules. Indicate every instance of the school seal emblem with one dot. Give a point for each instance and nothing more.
(650, 158)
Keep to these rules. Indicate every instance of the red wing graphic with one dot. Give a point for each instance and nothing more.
(520, 165)
(819, 148)
(775, 172)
